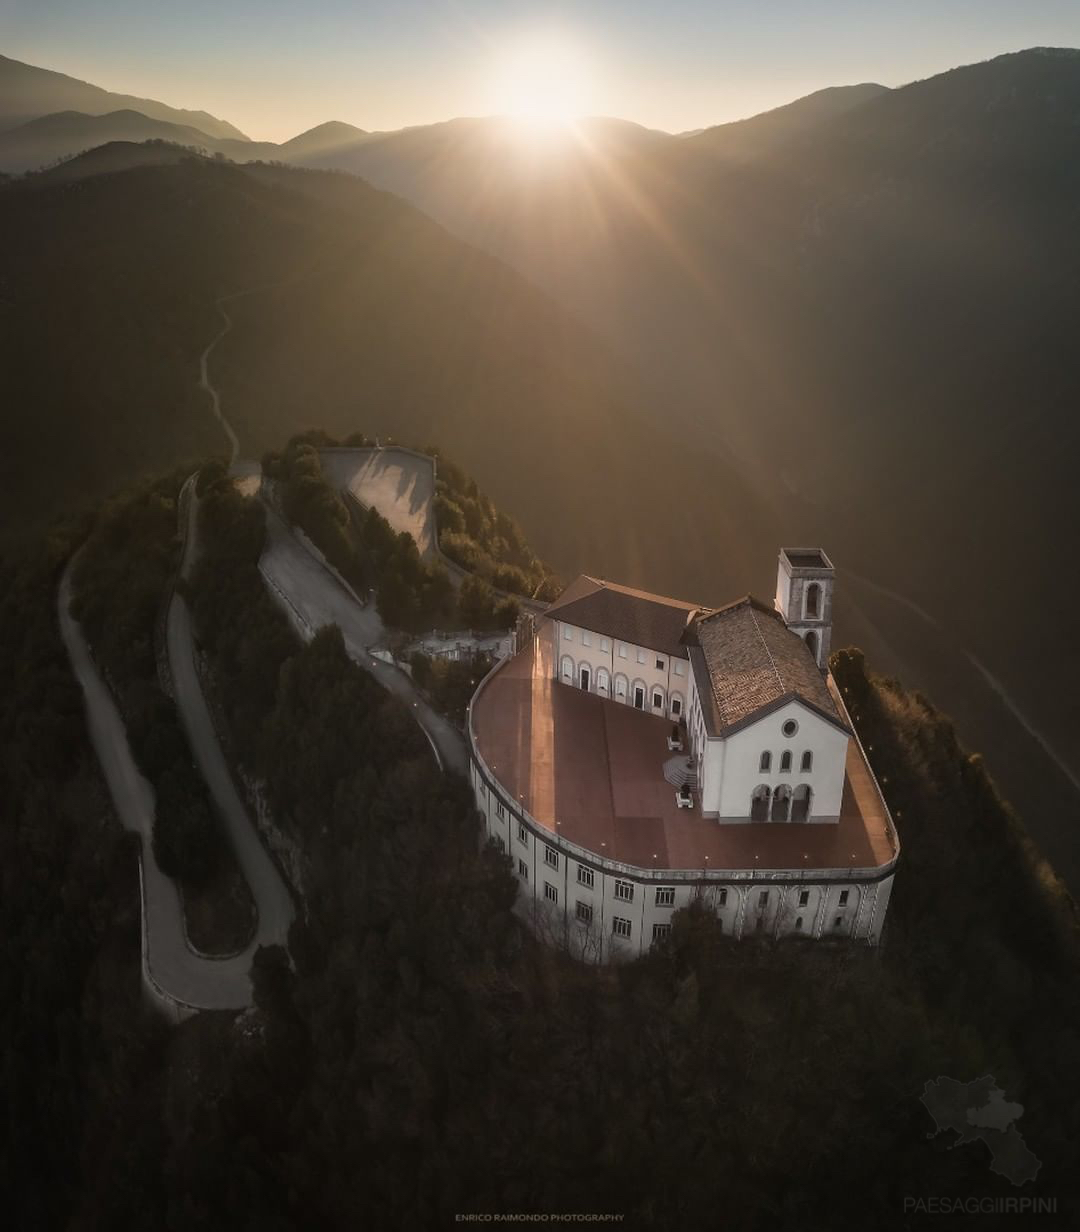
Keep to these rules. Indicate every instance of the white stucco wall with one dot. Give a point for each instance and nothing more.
(729, 767)
(740, 757)
(840, 907)
(791, 594)
(626, 664)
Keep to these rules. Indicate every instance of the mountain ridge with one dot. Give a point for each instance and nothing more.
(27, 92)
(857, 330)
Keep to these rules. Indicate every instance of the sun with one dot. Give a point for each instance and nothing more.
(543, 82)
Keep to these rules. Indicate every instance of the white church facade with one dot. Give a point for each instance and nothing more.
(643, 752)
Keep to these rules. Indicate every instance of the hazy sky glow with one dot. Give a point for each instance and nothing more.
(277, 67)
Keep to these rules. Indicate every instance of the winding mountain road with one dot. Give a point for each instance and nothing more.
(179, 976)
(268, 888)
(170, 966)
(310, 592)
(204, 374)
(313, 597)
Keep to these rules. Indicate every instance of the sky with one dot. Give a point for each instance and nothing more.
(277, 67)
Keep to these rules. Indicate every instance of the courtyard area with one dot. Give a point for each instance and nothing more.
(592, 770)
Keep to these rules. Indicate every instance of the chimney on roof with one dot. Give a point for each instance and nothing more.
(804, 595)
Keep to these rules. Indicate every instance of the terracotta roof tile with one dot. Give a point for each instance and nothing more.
(635, 616)
(748, 661)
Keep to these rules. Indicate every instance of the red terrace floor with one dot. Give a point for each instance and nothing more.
(592, 770)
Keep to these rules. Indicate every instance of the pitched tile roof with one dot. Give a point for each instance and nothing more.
(746, 661)
(630, 615)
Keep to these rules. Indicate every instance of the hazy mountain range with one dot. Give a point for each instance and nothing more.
(848, 320)
(28, 93)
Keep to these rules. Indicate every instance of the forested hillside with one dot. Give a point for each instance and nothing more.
(349, 308)
(847, 321)
(425, 1053)
(866, 298)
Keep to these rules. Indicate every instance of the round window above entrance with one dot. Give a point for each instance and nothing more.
(790, 728)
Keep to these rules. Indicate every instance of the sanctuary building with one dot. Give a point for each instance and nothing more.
(639, 752)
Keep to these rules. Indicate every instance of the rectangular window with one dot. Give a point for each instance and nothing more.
(721, 898)
(586, 638)
(523, 870)
(665, 896)
(843, 897)
(624, 890)
(568, 633)
(585, 876)
(676, 707)
(680, 668)
(550, 893)
(523, 834)
(641, 656)
(622, 651)
(584, 912)
(838, 921)
(660, 931)
(658, 701)
(620, 927)
(804, 897)
(763, 899)
(605, 643)
(551, 857)
(659, 665)
(798, 925)
(500, 810)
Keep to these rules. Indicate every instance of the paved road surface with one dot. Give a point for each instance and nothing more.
(272, 899)
(316, 597)
(204, 375)
(202, 983)
(396, 482)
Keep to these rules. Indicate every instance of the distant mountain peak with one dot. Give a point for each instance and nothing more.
(322, 140)
(330, 128)
(28, 92)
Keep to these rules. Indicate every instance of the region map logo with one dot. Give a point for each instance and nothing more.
(979, 1112)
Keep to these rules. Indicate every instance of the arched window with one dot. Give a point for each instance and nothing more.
(765, 765)
(603, 681)
(586, 678)
(759, 803)
(620, 687)
(800, 804)
(807, 762)
(676, 705)
(567, 669)
(812, 644)
(785, 760)
(781, 803)
(657, 698)
(813, 601)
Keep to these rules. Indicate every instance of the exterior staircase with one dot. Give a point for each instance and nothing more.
(681, 770)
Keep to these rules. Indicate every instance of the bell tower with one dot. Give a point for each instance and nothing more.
(804, 595)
